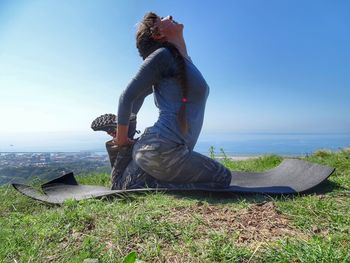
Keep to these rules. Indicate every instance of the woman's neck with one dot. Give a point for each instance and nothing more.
(179, 43)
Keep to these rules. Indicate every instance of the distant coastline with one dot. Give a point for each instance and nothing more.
(233, 145)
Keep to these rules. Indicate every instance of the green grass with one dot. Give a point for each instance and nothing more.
(185, 227)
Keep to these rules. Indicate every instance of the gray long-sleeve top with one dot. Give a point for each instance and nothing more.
(157, 74)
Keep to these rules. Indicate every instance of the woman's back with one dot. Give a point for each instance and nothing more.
(167, 96)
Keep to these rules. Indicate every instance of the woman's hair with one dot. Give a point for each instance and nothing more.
(146, 44)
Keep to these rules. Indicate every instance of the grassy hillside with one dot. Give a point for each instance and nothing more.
(185, 227)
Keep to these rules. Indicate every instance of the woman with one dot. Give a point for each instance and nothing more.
(163, 156)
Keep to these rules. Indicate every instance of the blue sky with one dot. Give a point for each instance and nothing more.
(272, 66)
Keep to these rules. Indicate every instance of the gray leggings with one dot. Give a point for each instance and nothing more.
(159, 162)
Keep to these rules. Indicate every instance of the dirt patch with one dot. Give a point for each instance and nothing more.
(258, 223)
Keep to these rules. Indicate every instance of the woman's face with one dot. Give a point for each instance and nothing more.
(168, 28)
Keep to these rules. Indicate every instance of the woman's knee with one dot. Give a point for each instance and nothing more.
(223, 175)
(227, 178)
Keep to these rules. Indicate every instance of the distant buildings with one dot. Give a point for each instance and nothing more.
(45, 159)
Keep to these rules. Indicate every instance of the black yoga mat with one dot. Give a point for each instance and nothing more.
(291, 176)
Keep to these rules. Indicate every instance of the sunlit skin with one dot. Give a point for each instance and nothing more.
(168, 30)
(171, 31)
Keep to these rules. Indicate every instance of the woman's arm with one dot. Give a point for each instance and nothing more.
(151, 71)
(123, 130)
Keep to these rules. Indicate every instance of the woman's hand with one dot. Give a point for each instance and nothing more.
(119, 141)
(121, 138)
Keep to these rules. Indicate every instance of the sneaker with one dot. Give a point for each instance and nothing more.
(108, 123)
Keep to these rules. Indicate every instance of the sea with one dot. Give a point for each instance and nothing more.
(280, 144)
(239, 144)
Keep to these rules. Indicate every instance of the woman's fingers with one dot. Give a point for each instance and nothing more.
(113, 134)
(121, 142)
